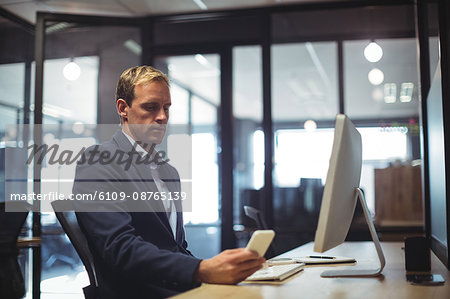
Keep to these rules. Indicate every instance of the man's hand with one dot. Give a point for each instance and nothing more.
(229, 266)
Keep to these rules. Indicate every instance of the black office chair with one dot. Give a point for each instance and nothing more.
(69, 223)
(12, 284)
(258, 217)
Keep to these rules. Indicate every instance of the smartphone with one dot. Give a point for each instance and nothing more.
(260, 241)
(425, 279)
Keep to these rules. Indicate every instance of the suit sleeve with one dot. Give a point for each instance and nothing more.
(112, 236)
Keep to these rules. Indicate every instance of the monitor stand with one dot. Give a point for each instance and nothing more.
(376, 241)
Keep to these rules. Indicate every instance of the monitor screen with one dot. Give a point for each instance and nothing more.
(339, 196)
(436, 170)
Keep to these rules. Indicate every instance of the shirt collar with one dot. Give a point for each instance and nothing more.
(136, 145)
(141, 150)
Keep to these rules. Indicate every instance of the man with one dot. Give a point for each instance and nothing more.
(144, 254)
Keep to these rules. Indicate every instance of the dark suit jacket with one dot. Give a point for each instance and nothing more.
(135, 253)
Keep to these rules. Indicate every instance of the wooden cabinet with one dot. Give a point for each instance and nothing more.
(398, 196)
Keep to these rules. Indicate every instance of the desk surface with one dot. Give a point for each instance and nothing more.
(309, 284)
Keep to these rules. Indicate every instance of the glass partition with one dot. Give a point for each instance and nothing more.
(304, 82)
(382, 97)
(81, 68)
(304, 98)
(12, 84)
(383, 89)
(248, 173)
(195, 96)
(16, 54)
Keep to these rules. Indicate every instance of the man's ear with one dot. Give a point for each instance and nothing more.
(122, 108)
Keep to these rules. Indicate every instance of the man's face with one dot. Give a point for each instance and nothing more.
(148, 114)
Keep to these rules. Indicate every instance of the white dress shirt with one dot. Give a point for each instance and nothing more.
(160, 185)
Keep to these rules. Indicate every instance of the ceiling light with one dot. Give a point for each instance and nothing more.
(56, 111)
(202, 59)
(310, 125)
(376, 77)
(373, 52)
(200, 4)
(78, 128)
(390, 93)
(406, 91)
(133, 46)
(299, 89)
(57, 27)
(71, 71)
(377, 94)
(49, 138)
(11, 132)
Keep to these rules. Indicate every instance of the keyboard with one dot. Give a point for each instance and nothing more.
(278, 272)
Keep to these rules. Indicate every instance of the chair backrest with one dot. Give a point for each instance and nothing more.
(256, 215)
(69, 223)
(12, 222)
(12, 284)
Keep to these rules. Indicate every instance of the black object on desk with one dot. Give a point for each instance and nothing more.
(425, 279)
(417, 254)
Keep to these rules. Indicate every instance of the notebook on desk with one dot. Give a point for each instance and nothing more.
(278, 272)
(312, 260)
(322, 260)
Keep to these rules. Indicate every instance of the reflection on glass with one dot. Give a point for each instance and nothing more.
(72, 71)
(304, 88)
(71, 99)
(87, 100)
(304, 81)
(179, 110)
(373, 52)
(301, 154)
(203, 112)
(390, 93)
(376, 76)
(205, 180)
(247, 83)
(195, 79)
(68, 101)
(248, 168)
(12, 80)
(201, 78)
(406, 91)
(387, 144)
(381, 146)
(365, 98)
(195, 99)
(258, 159)
(434, 54)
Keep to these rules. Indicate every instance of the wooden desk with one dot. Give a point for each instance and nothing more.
(308, 283)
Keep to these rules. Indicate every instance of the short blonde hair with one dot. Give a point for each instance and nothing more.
(134, 76)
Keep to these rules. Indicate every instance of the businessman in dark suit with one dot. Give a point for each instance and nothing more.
(144, 254)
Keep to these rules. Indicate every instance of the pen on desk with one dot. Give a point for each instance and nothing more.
(321, 257)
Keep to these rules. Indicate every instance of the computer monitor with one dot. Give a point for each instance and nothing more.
(339, 197)
(438, 211)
